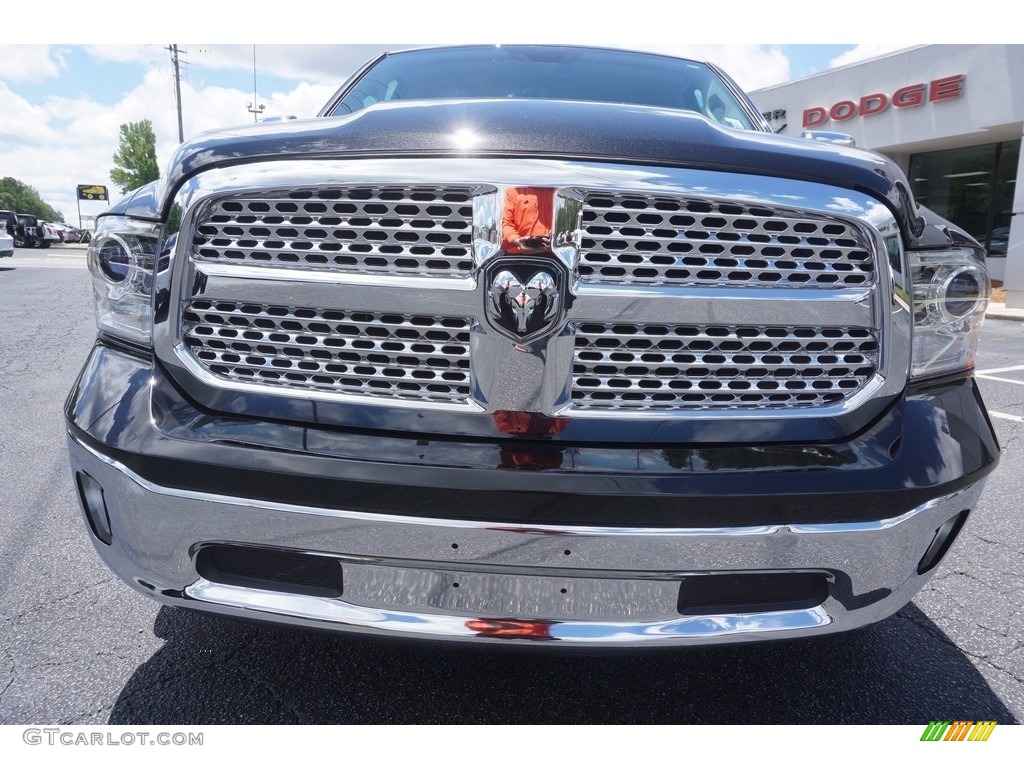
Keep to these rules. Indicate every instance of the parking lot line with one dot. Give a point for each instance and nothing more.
(50, 265)
(1005, 416)
(1000, 370)
(998, 378)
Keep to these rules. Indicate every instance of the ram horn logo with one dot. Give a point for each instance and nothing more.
(530, 305)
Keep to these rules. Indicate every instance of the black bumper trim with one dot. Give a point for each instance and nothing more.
(939, 436)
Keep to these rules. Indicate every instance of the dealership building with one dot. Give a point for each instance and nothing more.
(951, 116)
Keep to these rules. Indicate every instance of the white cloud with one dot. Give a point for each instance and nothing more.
(305, 101)
(63, 142)
(22, 123)
(329, 63)
(207, 108)
(28, 63)
(56, 161)
(127, 54)
(751, 66)
(862, 52)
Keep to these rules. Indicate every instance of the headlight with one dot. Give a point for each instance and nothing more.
(951, 290)
(122, 257)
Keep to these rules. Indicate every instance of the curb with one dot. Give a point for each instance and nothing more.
(999, 311)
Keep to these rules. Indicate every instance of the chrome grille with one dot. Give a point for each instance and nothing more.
(359, 353)
(746, 295)
(631, 238)
(419, 231)
(630, 366)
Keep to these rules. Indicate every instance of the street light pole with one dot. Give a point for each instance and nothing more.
(251, 106)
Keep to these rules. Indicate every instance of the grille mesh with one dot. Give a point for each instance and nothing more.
(361, 353)
(629, 238)
(418, 231)
(627, 366)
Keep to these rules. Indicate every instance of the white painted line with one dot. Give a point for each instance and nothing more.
(999, 378)
(68, 267)
(1005, 416)
(1001, 370)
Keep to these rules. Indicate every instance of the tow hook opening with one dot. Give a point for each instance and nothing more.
(943, 539)
(90, 495)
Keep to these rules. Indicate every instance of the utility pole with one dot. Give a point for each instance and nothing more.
(251, 106)
(177, 88)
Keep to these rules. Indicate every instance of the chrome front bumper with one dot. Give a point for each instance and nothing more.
(460, 580)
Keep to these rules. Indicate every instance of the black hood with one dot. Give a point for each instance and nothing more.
(546, 129)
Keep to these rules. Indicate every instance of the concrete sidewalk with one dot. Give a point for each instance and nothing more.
(999, 311)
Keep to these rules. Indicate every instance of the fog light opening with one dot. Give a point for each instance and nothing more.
(943, 539)
(90, 495)
(277, 570)
(701, 595)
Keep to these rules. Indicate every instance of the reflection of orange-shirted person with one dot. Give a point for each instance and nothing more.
(526, 221)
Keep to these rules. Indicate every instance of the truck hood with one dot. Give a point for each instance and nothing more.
(536, 128)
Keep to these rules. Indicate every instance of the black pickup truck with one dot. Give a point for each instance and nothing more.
(30, 232)
(523, 343)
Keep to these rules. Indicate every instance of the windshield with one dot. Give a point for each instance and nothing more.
(539, 72)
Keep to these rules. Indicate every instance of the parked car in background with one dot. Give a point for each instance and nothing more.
(999, 241)
(8, 224)
(33, 232)
(29, 233)
(530, 344)
(52, 233)
(26, 232)
(6, 243)
(56, 228)
(75, 235)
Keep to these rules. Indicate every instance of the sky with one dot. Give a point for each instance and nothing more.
(62, 102)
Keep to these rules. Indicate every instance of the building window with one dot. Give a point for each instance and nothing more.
(972, 187)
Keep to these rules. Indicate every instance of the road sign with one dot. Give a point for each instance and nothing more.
(92, 192)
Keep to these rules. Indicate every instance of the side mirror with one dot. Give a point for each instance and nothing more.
(842, 139)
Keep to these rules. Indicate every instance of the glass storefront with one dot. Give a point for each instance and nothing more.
(972, 187)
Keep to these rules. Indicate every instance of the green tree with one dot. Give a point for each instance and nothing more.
(19, 197)
(135, 159)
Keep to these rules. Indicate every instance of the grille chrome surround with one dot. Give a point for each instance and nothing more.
(360, 353)
(636, 366)
(540, 378)
(409, 231)
(683, 241)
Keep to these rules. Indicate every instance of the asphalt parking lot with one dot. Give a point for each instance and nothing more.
(77, 646)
